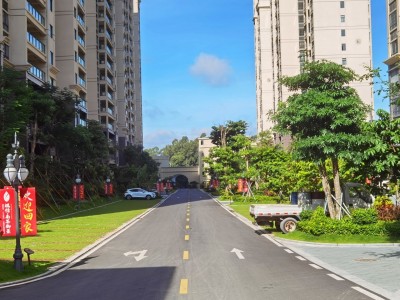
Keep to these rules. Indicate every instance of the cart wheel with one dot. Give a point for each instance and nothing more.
(288, 225)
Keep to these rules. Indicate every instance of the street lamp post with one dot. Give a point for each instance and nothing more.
(78, 181)
(15, 173)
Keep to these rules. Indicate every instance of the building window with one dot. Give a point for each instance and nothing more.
(51, 5)
(76, 78)
(344, 61)
(343, 32)
(51, 30)
(394, 48)
(75, 34)
(52, 81)
(51, 58)
(342, 18)
(343, 47)
(341, 4)
(393, 20)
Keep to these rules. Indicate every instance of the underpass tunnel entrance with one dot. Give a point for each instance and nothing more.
(180, 181)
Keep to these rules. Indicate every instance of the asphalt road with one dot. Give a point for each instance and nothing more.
(190, 247)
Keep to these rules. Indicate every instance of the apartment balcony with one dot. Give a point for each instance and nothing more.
(36, 49)
(36, 21)
(394, 59)
(82, 105)
(82, 3)
(41, 3)
(82, 82)
(81, 22)
(81, 41)
(81, 61)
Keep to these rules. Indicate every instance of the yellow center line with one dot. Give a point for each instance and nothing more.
(183, 289)
(187, 226)
(188, 214)
(187, 220)
(185, 255)
(186, 237)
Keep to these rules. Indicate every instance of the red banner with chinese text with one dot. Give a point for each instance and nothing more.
(7, 212)
(108, 189)
(78, 188)
(27, 204)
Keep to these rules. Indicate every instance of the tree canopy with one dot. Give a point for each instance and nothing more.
(222, 135)
(324, 116)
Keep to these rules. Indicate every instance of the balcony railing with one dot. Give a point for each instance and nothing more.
(82, 81)
(37, 73)
(82, 102)
(35, 42)
(80, 20)
(109, 50)
(82, 2)
(110, 96)
(81, 41)
(35, 14)
(81, 61)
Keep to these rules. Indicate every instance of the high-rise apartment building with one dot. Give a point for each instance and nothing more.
(393, 31)
(90, 47)
(290, 32)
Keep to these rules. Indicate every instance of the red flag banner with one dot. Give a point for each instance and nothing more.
(28, 211)
(7, 212)
(108, 189)
(78, 188)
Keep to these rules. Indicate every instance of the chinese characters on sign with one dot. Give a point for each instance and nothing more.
(27, 211)
(7, 211)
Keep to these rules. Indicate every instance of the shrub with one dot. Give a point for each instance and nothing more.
(382, 201)
(363, 223)
(364, 216)
(306, 215)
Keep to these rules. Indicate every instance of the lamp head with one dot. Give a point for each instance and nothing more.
(10, 172)
(22, 171)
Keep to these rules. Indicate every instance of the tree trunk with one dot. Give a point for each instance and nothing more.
(338, 189)
(327, 188)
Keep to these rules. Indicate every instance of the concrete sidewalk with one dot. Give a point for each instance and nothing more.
(375, 266)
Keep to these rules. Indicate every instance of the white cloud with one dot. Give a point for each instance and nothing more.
(213, 70)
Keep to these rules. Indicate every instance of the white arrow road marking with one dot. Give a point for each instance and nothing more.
(138, 255)
(238, 253)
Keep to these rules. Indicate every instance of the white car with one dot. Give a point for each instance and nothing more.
(138, 193)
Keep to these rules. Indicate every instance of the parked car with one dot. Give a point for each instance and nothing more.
(138, 193)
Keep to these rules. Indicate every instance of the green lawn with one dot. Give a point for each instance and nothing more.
(243, 209)
(62, 237)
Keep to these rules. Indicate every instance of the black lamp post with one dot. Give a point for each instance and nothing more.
(78, 181)
(15, 173)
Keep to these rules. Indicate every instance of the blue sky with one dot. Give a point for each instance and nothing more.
(198, 65)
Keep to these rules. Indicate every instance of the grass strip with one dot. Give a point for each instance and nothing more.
(64, 235)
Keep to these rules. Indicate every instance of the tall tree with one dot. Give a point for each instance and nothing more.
(182, 153)
(324, 116)
(222, 135)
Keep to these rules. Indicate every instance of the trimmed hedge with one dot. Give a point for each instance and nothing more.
(363, 222)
